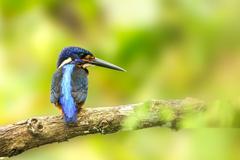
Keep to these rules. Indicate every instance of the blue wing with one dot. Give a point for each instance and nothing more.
(56, 87)
(79, 85)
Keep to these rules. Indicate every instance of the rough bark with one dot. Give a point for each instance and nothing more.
(34, 132)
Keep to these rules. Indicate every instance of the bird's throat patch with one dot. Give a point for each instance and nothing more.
(66, 61)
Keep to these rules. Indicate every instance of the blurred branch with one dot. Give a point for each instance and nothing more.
(34, 132)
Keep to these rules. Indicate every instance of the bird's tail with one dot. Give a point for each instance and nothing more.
(69, 111)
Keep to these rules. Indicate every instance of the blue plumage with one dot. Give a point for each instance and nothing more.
(69, 87)
(66, 100)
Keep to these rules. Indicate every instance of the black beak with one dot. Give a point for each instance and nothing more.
(102, 63)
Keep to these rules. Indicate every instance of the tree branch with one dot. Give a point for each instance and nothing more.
(34, 132)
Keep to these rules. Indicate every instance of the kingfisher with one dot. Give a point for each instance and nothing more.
(69, 86)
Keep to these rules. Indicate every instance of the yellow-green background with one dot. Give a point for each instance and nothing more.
(171, 49)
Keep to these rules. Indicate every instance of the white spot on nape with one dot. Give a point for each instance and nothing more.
(66, 61)
(86, 65)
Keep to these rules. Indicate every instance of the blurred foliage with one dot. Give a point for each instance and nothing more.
(171, 49)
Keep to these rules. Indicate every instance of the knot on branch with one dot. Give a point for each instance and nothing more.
(15, 151)
(107, 125)
(103, 125)
(35, 126)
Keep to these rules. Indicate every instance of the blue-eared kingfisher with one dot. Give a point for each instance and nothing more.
(69, 87)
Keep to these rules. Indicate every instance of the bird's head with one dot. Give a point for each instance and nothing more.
(82, 58)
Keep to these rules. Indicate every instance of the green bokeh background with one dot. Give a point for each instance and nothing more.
(171, 49)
